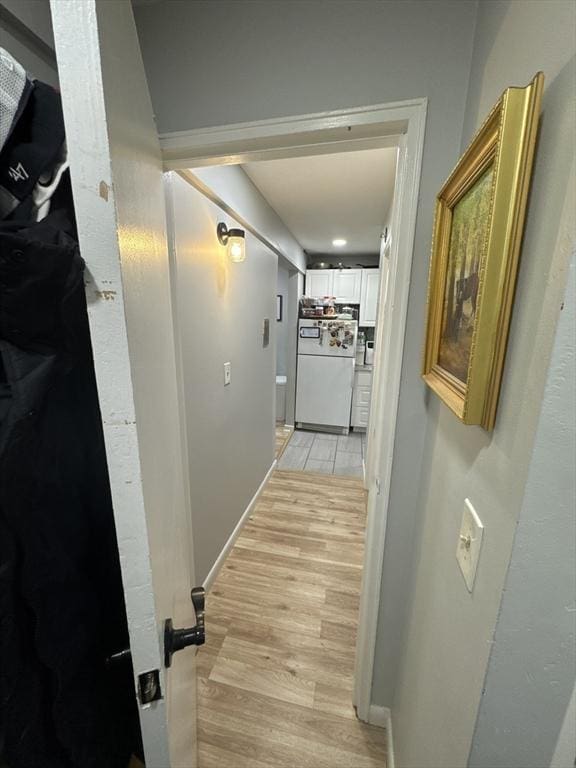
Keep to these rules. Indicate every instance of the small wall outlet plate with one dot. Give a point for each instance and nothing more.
(469, 544)
(227, 373)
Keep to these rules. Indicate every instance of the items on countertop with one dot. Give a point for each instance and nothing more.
(326, 306)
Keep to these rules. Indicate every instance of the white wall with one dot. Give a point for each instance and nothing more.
(450, 633)
(221, 307)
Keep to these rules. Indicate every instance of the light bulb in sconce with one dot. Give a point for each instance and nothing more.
(234, 240)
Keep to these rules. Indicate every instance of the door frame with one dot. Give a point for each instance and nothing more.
(397, 124)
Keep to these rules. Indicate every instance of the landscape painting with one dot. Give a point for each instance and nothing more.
(476, 242)
(468, 239)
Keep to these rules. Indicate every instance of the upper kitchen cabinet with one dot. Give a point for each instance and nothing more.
(319, 282)
(346, 285)
(343, 284)
(369, 296)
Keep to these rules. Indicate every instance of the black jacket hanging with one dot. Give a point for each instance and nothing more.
(61, 602)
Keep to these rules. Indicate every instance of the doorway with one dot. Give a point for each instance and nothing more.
(400, 126)
(283, 598)
(140, 503)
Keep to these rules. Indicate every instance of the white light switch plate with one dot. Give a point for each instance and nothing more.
(227, 373)
(469, 543)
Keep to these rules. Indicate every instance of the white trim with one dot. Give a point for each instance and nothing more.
(390, 760)
(379, 716)
(361, 127)
(309, 134)
(390, 331)
(382, 718)
(391, 326)
(211, 578)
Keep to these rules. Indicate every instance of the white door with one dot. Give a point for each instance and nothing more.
(118, 194)
(369, 296)
(324, 390)
(347, 284)
(319, 282)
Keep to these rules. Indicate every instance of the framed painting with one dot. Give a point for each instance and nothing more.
(476, 244)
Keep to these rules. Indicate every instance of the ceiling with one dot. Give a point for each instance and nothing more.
(345, 195)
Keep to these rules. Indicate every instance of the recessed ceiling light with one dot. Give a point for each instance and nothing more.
(339, 242)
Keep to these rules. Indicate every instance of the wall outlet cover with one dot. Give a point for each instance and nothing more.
(469, 544)
(227, 373)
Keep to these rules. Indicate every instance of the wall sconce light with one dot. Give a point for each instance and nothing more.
(234, 240)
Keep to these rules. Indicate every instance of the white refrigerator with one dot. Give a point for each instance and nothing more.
(325, 377)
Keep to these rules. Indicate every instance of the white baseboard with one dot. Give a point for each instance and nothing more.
(378, 716)
(211, 578)
(382, 717)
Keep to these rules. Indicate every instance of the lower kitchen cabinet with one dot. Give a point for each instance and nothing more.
(361, 399)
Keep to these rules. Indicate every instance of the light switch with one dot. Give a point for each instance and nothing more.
(227, 373)
(469, 543)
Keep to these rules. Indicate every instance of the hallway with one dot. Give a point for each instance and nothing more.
(276, 673)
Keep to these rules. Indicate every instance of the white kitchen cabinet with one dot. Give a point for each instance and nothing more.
(369, 296)
(361, 399)
(319, 282)
(346, 285)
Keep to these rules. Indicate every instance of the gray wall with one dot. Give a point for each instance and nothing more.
(532, 666)
(221, 307)
(290, 58)
(234, 189)
(565, 750)
(243, 61)
(282, 326)
(38, 58)
(450, 632)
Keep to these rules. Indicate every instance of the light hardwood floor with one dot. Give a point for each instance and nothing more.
(277, 671)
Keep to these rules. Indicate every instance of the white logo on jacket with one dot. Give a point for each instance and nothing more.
(19, 173)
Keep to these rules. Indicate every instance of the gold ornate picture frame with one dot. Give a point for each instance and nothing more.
(476, 244)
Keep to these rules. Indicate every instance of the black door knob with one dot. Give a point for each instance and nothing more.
(176, 639)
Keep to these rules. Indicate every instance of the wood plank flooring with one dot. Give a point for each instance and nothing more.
(276, 674)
